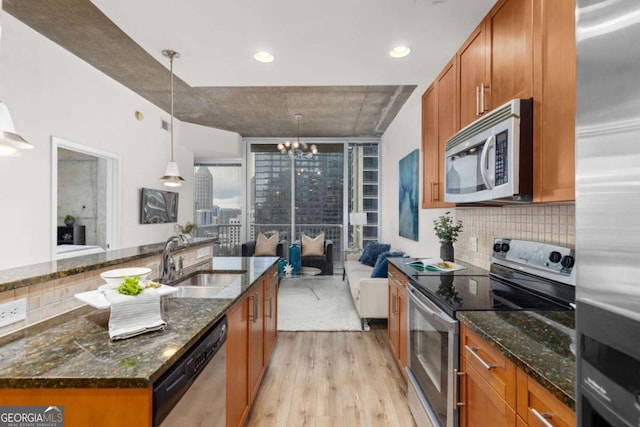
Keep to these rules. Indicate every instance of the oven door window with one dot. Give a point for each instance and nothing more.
(430, 360)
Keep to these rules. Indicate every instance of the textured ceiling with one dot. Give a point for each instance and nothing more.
(332, 63)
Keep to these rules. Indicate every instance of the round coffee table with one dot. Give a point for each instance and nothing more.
(310, 271)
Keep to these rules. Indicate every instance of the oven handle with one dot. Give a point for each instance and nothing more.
(483, 161)
(439, 317)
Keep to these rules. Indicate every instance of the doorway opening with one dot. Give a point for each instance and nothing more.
(85, 185)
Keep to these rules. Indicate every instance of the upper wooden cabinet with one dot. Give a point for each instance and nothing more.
(554, 96)
(521, 49)
(439, 123)
(496, 62)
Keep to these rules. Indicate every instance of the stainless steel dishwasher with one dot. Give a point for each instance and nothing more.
(192, 392)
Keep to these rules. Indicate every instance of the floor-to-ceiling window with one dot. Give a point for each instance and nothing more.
(313, 195)
(218, 205)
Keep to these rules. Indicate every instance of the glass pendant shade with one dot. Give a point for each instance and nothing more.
(10, 141)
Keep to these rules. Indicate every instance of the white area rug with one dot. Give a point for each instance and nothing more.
(316, 304)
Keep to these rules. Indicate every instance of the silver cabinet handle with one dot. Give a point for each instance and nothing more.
(472, 350)
(255, 307)
(393, 304)
(252, 315)
(481, 98)
(270, 309)
(477, 100)
(456, 396)
(542, 417)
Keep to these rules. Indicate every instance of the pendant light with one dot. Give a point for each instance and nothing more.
(10, 141)
(298, 149)
(171, 176)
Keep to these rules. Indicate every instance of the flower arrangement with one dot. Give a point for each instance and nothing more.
(446, 228)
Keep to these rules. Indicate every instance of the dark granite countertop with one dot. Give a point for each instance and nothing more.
(540, 343)
(30, 274)
(74, 349)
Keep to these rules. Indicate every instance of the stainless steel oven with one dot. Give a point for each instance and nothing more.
(433, 356)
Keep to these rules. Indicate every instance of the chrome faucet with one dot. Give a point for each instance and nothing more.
(168, 263)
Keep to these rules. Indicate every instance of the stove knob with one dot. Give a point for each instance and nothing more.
(568, 261)
(504, 247)
(496, 247)
(555, 257)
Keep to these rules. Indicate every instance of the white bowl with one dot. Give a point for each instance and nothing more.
(116, 277)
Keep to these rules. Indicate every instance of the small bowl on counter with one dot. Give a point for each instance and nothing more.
(116, 277)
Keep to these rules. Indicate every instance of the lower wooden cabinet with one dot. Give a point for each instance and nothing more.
(494, 392)
(397, 321)
(252, 334)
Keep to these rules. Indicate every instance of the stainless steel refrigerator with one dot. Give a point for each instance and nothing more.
(608, 213)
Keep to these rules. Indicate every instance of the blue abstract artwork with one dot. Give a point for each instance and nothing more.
(408, 200)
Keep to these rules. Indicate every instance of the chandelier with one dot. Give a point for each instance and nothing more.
(298, 149)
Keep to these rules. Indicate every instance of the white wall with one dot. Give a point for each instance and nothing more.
(211, 143)
(50, 92)
(400, 138)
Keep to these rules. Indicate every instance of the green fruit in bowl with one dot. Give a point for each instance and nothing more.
(130, 286)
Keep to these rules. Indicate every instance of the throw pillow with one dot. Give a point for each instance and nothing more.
(380, 269)
(371, 252)
(366, 245)
(266, 246)
(313, 246)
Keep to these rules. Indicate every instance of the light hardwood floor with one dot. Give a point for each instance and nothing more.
(332, 379)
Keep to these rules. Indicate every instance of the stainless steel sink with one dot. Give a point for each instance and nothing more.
(211, 279)
(210, 285)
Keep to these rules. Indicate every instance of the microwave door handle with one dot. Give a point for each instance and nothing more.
(484, 163)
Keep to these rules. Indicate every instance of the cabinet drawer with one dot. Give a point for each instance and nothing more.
(490, 364)
(536, 402)
(396, 277)
(482, 405)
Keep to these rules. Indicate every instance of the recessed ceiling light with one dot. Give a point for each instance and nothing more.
(399, 52)
(264, 56)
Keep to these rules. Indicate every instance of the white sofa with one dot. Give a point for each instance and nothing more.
(370, 295)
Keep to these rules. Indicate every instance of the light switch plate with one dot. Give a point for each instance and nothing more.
(473, 243)
(202, 252)
(13, 311)
(473, 286)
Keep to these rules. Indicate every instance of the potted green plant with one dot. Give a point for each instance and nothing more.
(447, 230)
(69, 220)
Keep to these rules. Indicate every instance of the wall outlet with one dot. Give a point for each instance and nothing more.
(13, 311)
(202, 252)
(473, 287)
(473, 244)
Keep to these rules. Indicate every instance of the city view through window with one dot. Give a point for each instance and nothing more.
(319, 197)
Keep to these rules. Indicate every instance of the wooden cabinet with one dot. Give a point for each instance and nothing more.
(521, 49)
(250, 341)
(554, 99)
(537, 406)
(439, 122)
(494, 392)
(474, 76)
(398, 321)
(270, 313)
(237, 363)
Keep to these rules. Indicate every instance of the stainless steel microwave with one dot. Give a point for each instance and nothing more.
(491, 159)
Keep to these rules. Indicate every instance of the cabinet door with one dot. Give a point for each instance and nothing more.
(537, 406)
(270, 313)
(430, 151)
(392, 323)
(256, 337)
(510, 25)
(403, 327)
(473, 82)
(447, 120)
(555, 101)
(237, 360)
(481, 405)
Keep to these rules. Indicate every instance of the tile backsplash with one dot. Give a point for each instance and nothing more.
(553, 223)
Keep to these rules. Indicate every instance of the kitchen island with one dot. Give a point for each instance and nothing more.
(70, 361)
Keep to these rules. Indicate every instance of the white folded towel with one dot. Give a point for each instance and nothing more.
(134, 315)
